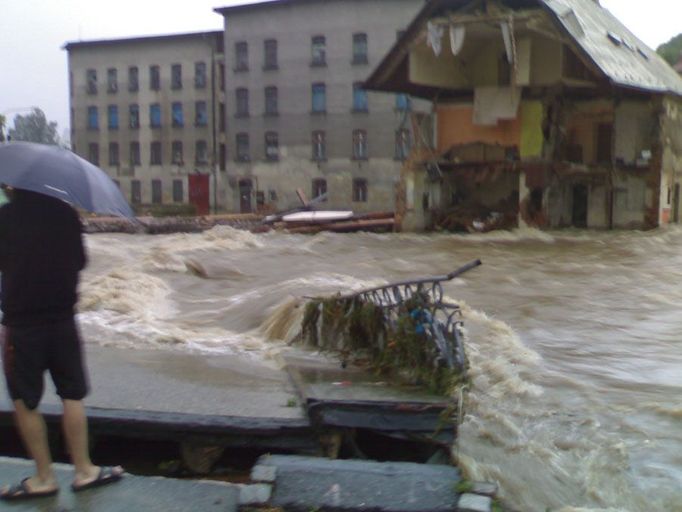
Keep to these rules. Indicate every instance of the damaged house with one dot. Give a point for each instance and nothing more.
(546, 113)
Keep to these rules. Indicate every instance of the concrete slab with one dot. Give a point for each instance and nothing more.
(305, 483)
(355, 398)
(173, 392)
(130, 494)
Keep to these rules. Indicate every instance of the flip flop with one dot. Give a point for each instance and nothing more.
(106, 476)
(21, 491)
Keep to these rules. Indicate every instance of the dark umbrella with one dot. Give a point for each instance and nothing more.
(60, 173)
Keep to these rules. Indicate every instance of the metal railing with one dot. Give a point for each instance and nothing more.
(437, 320)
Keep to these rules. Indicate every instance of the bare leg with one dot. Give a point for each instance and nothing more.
(33, 432)
(75, 425)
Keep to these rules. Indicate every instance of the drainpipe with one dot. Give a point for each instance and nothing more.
(214, 167)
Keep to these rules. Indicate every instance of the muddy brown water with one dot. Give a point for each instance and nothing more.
(574, 338)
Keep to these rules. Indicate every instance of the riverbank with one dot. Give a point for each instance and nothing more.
(163, 225)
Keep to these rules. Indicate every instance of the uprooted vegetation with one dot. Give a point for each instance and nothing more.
(395, 344)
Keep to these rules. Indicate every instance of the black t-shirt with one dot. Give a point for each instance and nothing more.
(41, 254)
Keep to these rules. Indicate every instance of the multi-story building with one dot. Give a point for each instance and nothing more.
(297, 115)
(148, 111)
(175, 119)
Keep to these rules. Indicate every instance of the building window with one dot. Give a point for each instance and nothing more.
(221, 76)
(200, 113)
(221, 117)
(133, 79)
(402, 144)
(222, 157)
(319, 188)
(201, 152)
(271, 146)
(319, 145)
(134, 115)
(271, 101)
(241, 56)
(134, 153)
(112, 80)
(113, 154)
(402, 102)
(177, 157)
(242, 97)
(242, 147)
(359, 190)
(176, 76)
(200, 75)
(318, 49)
(112, 117)
(178, 191)
(93, 118)
(270, 54)
(319, 93)
(91, 79)
(135, 192)
(178, 118)
(155, 115)
(359, 145)
(93, 153)
(154, 78)
(155, 153)
(360, 48)
(359, 98)
(157, 192)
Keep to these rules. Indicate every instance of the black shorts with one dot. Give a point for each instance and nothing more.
(27, 352)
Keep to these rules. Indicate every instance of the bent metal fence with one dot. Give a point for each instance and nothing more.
(406, 325)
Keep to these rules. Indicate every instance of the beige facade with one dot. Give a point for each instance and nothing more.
(147, 111)
(297, 116)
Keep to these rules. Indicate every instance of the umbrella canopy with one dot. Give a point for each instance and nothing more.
(60, 173)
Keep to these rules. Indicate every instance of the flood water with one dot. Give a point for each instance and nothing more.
(574, 338)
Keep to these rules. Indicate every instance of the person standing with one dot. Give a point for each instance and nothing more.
(41, 256)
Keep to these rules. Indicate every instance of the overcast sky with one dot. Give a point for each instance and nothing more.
(33, 67)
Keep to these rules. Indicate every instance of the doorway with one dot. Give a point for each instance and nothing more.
(579, 214)
(199, 192)
(245, 189)
(676, 204)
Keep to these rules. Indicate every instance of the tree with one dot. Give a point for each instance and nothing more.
(2, 128)
(34, 127)
(672, 50)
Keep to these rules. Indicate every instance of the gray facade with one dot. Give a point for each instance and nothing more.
(171, 154)
(338, 140)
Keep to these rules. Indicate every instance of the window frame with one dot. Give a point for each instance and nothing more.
(112, 117)
(241, 56)
(242, 147)
(403, 145)
(201, 152)
(360, 99)
(360, 145)
(135, 192)
(200, 75)
(93, 117)
(155, 153)
(93, 153)
(134, 116)
(360, 190)
(319, 145)
(318, 90)
(112, 80)
(241, 99)
(154, 77)
(133, 79)
(177, 114)
(176, 77)
(157, 191)
(134, 153)
(271, 101)
(91, 81)
(360, 42)
(271, 146)
(270, 55)
(178, 186)
(177, 154)
(318, 51)
(155, 115)
(200, 113)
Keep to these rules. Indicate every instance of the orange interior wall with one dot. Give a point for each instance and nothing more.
(456, 126)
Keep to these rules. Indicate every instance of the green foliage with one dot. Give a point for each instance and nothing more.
(463, 486)
(351, 326)
(3, 121)
(34, 127)
(672, 50)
